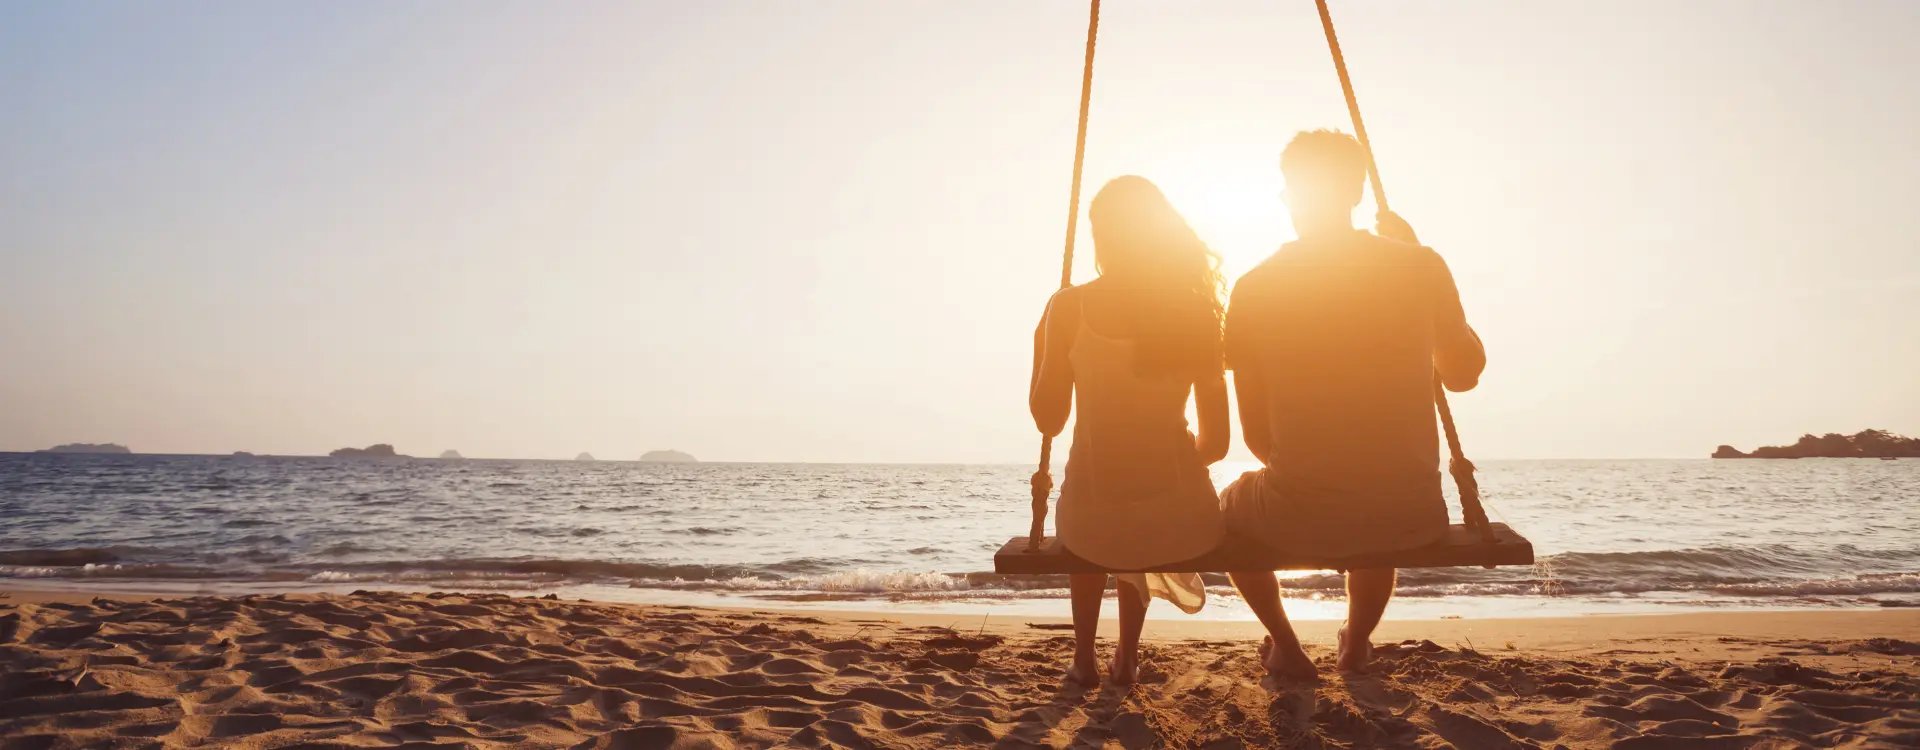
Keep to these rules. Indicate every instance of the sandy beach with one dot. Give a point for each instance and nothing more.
(382, 669)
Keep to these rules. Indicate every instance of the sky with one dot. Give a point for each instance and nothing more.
(823, 231)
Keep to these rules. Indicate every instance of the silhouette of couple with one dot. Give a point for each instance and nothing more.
(1334, 342)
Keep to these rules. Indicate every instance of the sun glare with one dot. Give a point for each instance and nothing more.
(1236, 210)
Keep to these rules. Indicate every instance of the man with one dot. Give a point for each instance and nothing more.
(1334, 343)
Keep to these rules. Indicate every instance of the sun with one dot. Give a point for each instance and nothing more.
(1236, 209)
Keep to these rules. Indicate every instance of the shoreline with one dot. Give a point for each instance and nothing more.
(1223, 605)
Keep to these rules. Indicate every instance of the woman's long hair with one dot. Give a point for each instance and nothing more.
(1144, 249)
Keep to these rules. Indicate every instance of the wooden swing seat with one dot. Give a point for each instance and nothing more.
(1461, 547)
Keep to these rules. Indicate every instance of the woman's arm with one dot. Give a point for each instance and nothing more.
(1216, 430)
(1050, 390)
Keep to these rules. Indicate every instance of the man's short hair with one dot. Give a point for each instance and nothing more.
(1324, 162)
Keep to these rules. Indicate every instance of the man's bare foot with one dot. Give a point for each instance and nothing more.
(1084, 671)
(1287, 663)
(1125, 669)
(1353, 657)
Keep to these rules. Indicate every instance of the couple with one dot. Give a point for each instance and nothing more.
(1334, 342)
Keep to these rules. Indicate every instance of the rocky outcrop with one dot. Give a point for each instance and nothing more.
(451, 455)
(377, 450)
(89, 448)
(668, 457)
(1862, 444)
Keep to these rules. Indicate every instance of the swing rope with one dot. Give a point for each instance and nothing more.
(1471, 511)
(1042, 480)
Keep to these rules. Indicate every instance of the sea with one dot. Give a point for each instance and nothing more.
(1610, 536)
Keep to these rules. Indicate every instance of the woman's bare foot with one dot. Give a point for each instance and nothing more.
(1125, 669)
(1287, 663)
(1353, 657)
(1084, 671)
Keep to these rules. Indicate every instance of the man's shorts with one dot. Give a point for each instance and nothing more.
(1327, 523)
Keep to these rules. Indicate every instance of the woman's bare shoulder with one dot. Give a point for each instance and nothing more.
(1063, 309)
(1070, 299)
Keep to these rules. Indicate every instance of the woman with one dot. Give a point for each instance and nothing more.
(1135, 342)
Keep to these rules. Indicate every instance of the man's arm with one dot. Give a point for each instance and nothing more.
(1458, 354)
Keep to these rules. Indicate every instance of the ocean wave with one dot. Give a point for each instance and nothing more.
(80, 555)
(813, 566)
(64, 557)
(343, 548)
(983, 585)
(1759, 572)
(556, 568)
(132, 571)
(263, 539)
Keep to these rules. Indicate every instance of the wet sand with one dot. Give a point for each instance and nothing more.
(382, 669)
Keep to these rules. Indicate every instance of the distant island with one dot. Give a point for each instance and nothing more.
(377, 450)
(89, 448)
(1862, 444)
(242, 454)
(668, 457)
(583, 457)
(451, 454)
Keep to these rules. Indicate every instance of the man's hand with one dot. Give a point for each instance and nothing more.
(1389, 225)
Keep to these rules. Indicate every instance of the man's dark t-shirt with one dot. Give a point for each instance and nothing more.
(1341, 337)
